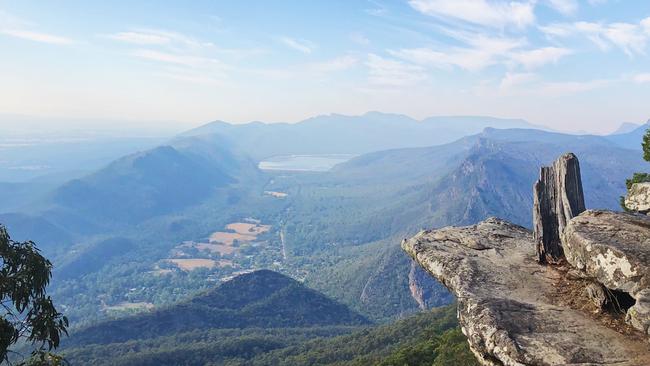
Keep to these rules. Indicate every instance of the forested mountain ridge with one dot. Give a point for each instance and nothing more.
(261, 299)
(430, 338)
(162, 180)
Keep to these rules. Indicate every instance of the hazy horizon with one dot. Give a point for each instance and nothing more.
(566, 64)
(24, 125)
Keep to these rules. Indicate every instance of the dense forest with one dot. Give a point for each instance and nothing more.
(424, 339)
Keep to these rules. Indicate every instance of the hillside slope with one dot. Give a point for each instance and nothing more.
(261, 299)
(427, 339)
(154, 182)
(165, 180)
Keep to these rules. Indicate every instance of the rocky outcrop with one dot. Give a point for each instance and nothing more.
(638, 198)
(557, 197)
(511, 308)
(614, 249)
(589, 306)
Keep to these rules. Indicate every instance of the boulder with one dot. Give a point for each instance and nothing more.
(514, 311)
(614, 249)
(638, 198)
(557, 197)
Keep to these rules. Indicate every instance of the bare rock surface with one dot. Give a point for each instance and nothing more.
(614, 249)
(510, 307)
(557, 198)
(638, 198)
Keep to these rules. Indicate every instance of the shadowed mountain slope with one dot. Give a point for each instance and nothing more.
(261, 299)
(155, 182)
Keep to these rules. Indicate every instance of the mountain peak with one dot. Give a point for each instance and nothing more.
(627, 127)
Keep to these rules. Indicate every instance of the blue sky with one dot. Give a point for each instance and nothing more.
(568, 64)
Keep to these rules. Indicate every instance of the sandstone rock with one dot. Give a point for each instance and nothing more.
(614, 249)
(638, 198)
(557, 197)
(508, 305)
(596, 293)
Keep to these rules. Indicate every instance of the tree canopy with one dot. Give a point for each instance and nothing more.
(639, 177)
(28, 314)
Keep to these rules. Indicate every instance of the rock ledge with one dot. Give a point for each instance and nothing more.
(517, 311)
(510, 307)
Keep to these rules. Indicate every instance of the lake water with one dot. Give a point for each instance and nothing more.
(305, 163)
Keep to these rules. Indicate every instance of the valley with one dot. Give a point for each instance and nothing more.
(336, 231)
(324, 183)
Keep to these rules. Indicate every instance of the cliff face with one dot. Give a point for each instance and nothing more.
(588, 308)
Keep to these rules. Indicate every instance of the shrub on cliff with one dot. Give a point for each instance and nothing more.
(639, 177)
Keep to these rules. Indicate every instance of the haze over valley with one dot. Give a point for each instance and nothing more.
(367, 182)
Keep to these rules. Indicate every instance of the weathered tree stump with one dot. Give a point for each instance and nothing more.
(557, 197)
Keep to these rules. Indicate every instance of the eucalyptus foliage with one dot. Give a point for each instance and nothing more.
(28, 313)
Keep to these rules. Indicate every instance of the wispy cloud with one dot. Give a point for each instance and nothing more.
(559, 89)
(535, 58)
(320, 70)
(301, 45)
(13, 26)
(377, 9)
(512, 81)
(157, 37)
(37, 36)
(482, 52)
(632, 38)
(177, 59)
(530, 84)
(494, 14)
(566, 7)
(337, 64)
(391, 72)
(139, 38)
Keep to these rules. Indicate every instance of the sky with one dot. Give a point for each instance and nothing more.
(572, 65)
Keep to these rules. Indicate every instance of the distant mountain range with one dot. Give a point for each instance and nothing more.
(626, 127)
(630, 139)
(340, 134)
